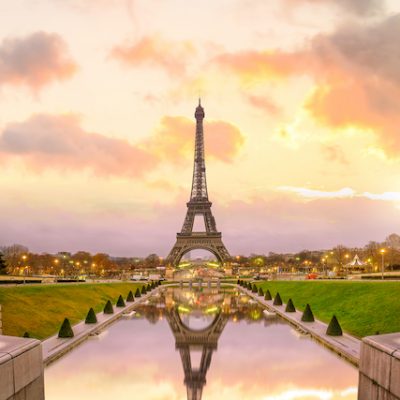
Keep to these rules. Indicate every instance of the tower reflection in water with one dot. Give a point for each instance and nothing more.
(197, 319)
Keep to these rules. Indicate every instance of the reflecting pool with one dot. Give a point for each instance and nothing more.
(201, 344)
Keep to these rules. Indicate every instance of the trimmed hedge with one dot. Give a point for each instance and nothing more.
(260, 292)
(268, 295)
(91, 317)
(334, 328)
(137, 293)
(308, 315)
(254, 288)
(108, 308)
(144, 290)
(130, 298)
(26, 335)
(66, 330)
(290, 306)
(277, 300)
(120, 301)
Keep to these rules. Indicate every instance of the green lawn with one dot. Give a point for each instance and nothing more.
(362, 308)
(40, 310)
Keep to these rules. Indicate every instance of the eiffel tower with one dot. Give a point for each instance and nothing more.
(198, 204)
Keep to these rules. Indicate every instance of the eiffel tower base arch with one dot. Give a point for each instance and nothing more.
(185, 243)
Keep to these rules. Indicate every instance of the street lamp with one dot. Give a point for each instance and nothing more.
(24, 257)
(382, 251)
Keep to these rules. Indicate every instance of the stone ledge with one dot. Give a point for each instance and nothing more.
(21, 365)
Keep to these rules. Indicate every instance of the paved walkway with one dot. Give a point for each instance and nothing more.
(54, 347)
(346, 346)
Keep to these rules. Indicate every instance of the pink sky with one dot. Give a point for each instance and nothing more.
(302, 103)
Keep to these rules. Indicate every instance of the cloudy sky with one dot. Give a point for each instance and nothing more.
(302, 102)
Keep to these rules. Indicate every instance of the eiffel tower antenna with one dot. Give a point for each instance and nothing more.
(198, 205)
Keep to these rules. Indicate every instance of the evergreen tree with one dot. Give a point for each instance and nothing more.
(334, 328)
(290, 306)
(277, 300)
(260, 292)
(268, 295)
(91, 317)
(3, 266)
(144, 291)
(137, 293)
(130, 297)
(308, 315)
(120, 302)
(66, 330)
(108, 308)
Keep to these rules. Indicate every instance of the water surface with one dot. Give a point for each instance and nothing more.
(201, 344)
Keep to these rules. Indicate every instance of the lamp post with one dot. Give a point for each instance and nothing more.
(382, 251)
(24, 257)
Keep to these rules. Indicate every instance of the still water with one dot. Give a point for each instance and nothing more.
(201, 344)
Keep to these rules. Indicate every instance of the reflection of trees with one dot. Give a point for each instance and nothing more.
(234, 305)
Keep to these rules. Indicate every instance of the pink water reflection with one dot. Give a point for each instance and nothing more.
(255, 359)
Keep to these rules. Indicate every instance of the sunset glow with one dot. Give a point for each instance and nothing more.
(302, 105)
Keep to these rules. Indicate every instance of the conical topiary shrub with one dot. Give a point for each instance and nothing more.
(66, 330)
(308, 315)
(91, 317)
(137, 293)
(254, 289)
(120, 302)
(130, 297)
(26, 335)
(149, 287)
(277, 300)
(144, 290)
(260, 292)
(334, 328)
(108, 308)
(290, 306)
(268, 295)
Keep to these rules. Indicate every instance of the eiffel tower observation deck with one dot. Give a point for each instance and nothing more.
(199, 205)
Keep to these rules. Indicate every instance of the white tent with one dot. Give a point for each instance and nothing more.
(356, 262)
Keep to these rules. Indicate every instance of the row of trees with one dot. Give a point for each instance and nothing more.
(337, 257)
(18, 260)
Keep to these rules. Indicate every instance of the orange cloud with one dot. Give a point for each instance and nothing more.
(59, 143)
(357, 75)
(157, 52)
(264, 104)
(174, 140)
(35, 60)
(255, 65)
(358, 7)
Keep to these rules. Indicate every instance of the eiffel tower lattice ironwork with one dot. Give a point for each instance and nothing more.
(198, 204)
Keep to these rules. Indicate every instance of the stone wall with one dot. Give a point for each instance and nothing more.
(21, 369)
(380, 368)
